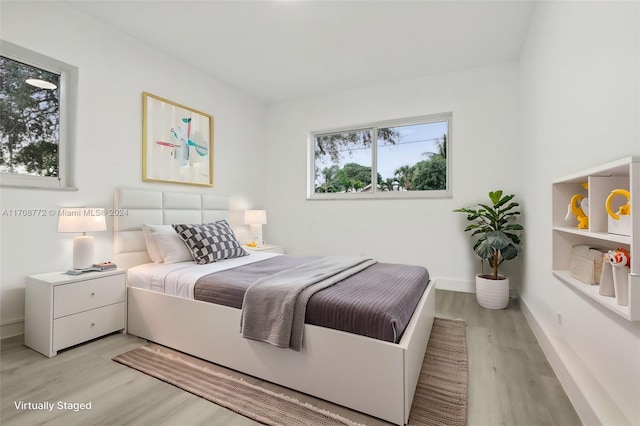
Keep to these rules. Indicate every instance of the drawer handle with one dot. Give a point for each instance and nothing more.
(93, 324)
(93, 293)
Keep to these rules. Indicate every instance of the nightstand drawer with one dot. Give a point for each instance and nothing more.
(89, 294)
(74, 329)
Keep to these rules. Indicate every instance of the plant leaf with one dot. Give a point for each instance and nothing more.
(489, 213)
(498, 239)
(510, 206)
(513, 237)
(503, 201)
(484, 249)
(509, 252)
(494, 196)
(482, 230)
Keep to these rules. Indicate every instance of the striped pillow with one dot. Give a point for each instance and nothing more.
(210, 242)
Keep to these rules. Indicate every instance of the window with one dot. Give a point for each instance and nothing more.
(396, 159)
(36, 102)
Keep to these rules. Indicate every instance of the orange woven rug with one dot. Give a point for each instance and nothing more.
(440, 399)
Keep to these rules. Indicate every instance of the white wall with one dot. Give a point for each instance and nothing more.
(484, 149)
(114, 70)
(580, 74)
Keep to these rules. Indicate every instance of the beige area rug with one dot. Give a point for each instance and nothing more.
(441, 394)
(440, 399)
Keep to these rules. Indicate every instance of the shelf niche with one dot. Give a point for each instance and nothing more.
(621, 174)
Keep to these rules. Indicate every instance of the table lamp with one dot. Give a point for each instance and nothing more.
(82, 220)
(255, 219)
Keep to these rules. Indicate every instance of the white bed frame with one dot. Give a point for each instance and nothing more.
(368, 375)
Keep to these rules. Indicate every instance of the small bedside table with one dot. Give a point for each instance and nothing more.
(63, 310)
(267, 248)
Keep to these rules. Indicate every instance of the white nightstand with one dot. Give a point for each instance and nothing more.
(63, 310)
(267, 248)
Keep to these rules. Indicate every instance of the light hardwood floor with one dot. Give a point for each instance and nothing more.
(510, 380)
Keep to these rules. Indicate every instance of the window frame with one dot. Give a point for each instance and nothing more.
(381, 195)
(67, 104)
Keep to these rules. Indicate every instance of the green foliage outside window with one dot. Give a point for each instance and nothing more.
(29, 120)
(424, 151)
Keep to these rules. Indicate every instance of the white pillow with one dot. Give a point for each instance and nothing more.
(172, 248)
(152, 246)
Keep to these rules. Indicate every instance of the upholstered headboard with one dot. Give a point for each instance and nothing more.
(133, 207)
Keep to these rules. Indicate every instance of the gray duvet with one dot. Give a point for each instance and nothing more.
(274, 307)
(376, 302)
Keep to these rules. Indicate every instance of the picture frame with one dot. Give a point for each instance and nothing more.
(177, 143)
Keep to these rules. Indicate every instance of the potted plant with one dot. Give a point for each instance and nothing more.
(496, 240)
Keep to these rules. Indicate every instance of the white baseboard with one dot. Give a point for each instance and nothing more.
(452, 284)
(11, 328)
(592, 403)
(464, 286)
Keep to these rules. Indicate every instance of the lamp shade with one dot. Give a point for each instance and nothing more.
(81, 220)
(255, 217)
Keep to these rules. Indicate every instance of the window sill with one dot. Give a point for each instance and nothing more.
(44, 188)
(400, 195)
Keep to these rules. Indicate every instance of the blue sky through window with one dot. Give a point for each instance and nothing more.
(414, 144)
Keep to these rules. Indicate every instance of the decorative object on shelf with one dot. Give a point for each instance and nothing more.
(82, 220)
(496, 241)
(177, 143)
(619, 222)
(618, 257)
(586, 263)
(255, 219)
(619, 261)
(577, 206)
(607, 287)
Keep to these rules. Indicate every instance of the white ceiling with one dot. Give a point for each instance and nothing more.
(283, 50)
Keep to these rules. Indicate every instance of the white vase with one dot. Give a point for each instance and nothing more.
(606, 281)
(492, 294)
(621, 284)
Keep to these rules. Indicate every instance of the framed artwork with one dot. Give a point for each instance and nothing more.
(177, 143)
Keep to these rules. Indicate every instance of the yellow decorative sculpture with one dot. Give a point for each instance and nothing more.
(575, 208)
(623, 210)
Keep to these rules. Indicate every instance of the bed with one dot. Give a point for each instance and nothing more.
(369, 375)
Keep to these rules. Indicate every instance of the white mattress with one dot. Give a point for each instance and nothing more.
(178, 279)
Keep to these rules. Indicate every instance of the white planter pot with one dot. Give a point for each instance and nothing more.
(492, 294)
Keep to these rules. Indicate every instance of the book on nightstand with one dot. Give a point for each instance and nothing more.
(97, 267)
(104, 266)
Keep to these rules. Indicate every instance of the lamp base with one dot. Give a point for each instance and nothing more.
(83, 252)
(256, 235)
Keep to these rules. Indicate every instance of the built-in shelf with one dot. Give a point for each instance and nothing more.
(621, 239)
(601, 180)
(592, 292)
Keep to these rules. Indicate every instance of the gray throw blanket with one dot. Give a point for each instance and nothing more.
(273, 310)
